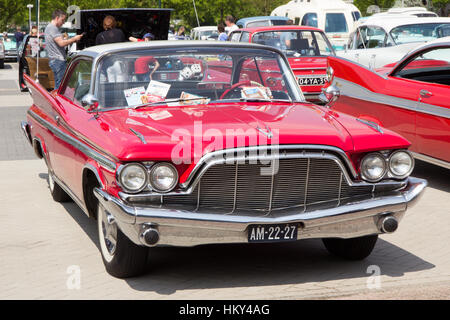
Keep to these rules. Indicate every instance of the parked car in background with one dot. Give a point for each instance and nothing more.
(411, 99)
(378, 42)
(266, 166)
(261, 21)
(204, 33)
(306, 48)
(10, 47)
(337, 18)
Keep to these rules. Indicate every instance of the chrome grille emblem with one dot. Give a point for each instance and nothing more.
(267, 132)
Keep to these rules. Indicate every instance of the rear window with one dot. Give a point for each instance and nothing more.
(335, 22)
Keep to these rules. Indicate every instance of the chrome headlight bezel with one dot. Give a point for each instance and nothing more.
(120, 176)
(364, 175)
(152, 183)
(392, 172)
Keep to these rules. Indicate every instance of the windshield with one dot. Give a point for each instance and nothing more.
(296, 43)
(186, 76)
(9, 42)
(420, 32)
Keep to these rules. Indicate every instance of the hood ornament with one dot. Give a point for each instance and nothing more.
(266, 132)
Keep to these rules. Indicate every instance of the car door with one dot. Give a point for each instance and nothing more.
(427, 74)
(74, 87)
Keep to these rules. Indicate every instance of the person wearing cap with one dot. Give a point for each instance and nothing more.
(111, 33)
(147, 37)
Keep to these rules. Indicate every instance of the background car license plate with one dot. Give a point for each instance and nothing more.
(311, 81)
(272, 232)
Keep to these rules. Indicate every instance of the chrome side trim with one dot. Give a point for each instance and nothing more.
(354, 90)
(223, 154)
(139, 135)
(371, 124)
(431, 160)
(24, 125)
(88, 151)
(95, 172)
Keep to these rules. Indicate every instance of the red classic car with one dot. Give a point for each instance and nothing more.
(410, 98)
(206, 147)
(307, 49)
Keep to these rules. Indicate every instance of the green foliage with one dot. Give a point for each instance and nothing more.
(364, 4)
(210, 12)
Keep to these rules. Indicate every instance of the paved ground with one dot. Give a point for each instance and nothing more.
(50, 250)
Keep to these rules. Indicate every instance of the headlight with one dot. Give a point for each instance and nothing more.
(133, 177)
(163, 177)
(401, 164)
(373, 167)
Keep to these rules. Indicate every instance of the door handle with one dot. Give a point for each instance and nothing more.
(425, 93)
(57, 119)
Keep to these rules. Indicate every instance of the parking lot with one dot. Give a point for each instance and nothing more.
(50, 250)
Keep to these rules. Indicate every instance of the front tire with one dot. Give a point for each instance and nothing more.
(351, 249)
(121, 257)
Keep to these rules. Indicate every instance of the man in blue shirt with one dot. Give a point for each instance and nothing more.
(19, 37)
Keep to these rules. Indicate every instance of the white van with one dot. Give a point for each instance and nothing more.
(336, 17)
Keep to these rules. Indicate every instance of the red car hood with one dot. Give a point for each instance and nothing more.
(205, 128)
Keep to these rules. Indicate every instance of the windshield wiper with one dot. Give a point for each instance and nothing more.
(166, 102)
(263, 100)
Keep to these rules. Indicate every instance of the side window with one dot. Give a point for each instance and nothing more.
(375, 37)
(335, 22)
(235, 36)
(310, 19)
(245, 37)
(432, 67)
(79, 82)
(361, 38)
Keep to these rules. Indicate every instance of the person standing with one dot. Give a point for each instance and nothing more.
(55, 45)
(222, 34)
(111, 33)
(231, 26)
(19, 37)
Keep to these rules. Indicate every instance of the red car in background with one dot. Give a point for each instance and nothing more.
(411, 98)
(306, 48)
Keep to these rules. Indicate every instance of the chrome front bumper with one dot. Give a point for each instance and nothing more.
(187, 228)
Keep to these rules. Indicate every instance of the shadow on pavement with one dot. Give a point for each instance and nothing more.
(438, 177)
(252, 265)
(88, 225)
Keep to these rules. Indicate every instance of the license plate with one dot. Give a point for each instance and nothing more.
(272, 232)
(311, 81)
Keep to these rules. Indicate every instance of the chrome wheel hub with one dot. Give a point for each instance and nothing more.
(109, 231)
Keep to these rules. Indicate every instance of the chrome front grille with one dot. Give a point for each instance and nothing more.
(298, 182)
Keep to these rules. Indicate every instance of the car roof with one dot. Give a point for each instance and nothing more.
(100, 50)
(278, 28)
(243, 20)
(389, 24)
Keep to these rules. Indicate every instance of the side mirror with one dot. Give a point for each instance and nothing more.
(329, 95)
(90, 103)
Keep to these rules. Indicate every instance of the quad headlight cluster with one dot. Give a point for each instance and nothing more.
(135, 177)
(375, 166)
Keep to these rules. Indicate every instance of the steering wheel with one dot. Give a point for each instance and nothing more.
(240, 84)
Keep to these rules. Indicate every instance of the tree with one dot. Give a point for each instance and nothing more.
(362, 5)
